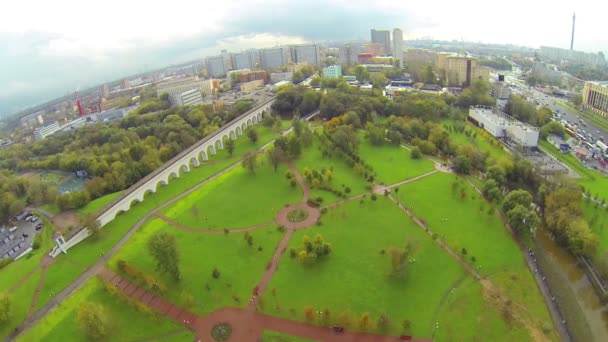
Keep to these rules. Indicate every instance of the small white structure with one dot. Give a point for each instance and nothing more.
(502, 125)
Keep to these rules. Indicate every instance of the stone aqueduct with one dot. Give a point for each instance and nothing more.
(191, 157)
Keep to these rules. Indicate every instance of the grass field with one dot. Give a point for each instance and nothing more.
(464, 309)
(482, 141)
(355, 277)
(126, 323)
(462, 222)
(20, 301)
(275, 336)
(343, 174)
(240, 265)
(597, 217)
(237, 199)
(82, 256)
(95, 205)
(393, 163)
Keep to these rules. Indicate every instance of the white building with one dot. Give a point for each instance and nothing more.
(502, 125)
(188, 98)
(43, 132)
(208, 87)
(398, 46)
(281, 76)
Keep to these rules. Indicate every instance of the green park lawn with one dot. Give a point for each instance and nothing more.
(343, 175)
(20, 300)
(67, 268)
(464, 222)
(125, 322)
(597, 218)
(355, 277)
(393, 163)
(241, 266)
(237, 199)
(482, 141)
(275, 336)
(465, 316)
(95, 205)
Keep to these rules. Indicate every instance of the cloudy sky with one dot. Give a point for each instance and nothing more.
(50, 48)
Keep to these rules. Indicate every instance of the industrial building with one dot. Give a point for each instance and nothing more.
(595, 97)
(43, 132)
(190, 97)
(502, 125)
(181, 85)
(281, 76)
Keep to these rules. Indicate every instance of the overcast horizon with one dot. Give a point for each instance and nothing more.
(66, 44)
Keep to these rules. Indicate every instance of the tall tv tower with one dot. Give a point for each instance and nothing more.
(572, 40)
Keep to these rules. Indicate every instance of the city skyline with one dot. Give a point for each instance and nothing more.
(57, 48)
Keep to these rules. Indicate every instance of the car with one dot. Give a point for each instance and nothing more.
(338, 329)
(12, 229)
(598, 132)
(39, 226)
(34, 219)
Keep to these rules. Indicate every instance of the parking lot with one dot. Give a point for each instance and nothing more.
(13, 244)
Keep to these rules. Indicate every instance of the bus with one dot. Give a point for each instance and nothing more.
(602, 146)
(570, 132)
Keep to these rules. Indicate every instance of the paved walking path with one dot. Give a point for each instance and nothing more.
(379, 189)
(247, 325)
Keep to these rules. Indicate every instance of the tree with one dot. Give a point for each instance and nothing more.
(163, 249)
(416, 154)
(93, 320)
(429, 74)
(497, 173)
(407, 327)
(399, 259)
(577, 99)
(375, 134)
(345, 138)
(462, 165)
(275, 155)
(364, 322)
(491, 190)
(515, 197)
(250, 161)
(383, 322)
(252, 134)
(361, 73)
(553, 127)
(230, 144)
(5, 308)
(522, 219)
(89, 221)
(215, 273)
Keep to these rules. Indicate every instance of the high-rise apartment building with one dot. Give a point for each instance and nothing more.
(216, 66)
(104, 91)
(398, 46)
(273, 58)
(382, 37)
(462, 71)
(375, 49)
(306, 53)
(595, 97)
(124, 84)
(245, 60)
(347, 54)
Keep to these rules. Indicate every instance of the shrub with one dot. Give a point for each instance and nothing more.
(37, 241)
(215, 274)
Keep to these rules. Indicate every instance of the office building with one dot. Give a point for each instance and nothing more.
(273, 58)
(216, 66)
(398, 46)
(595, 97)
(207, 87)
(188, 98)
(43, 132)
(281, 76)
(382, 37)
(308, 53)
(502, 125)
(462, 71)
(332, 71)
